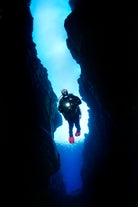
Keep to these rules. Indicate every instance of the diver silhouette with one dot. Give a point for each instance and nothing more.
(69, 108)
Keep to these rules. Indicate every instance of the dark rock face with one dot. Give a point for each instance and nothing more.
(104, 42)
(30, 111)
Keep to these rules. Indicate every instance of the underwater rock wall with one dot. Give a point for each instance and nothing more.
(102, 38)
(104, 42)
(30, 113)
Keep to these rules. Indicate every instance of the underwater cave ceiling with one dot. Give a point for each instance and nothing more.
(106, 51)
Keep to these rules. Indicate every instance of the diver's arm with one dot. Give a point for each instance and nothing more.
(77, 100)
(60, 108)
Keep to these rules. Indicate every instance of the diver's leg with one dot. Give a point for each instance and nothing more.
(70, 128)
(71, 138)
(77, 125)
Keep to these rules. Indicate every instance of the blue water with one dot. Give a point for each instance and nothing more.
(50, 37)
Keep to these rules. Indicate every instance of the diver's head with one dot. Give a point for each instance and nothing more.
(64, 92)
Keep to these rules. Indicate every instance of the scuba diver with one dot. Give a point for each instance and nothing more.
(69, 107)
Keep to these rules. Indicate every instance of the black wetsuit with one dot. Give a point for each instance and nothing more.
(69, 107)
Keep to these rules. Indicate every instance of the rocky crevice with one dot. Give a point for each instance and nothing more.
(104, 43)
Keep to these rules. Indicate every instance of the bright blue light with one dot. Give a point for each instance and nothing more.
(71, 162)
(63, 71)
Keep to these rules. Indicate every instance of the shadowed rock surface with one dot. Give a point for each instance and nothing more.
(103, 39)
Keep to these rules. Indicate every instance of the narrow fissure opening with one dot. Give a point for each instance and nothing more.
(50, 36)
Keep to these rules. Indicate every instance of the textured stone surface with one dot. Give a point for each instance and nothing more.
(30, 113)
(102, 38)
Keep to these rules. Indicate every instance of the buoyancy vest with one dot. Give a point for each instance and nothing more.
(69, 105)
